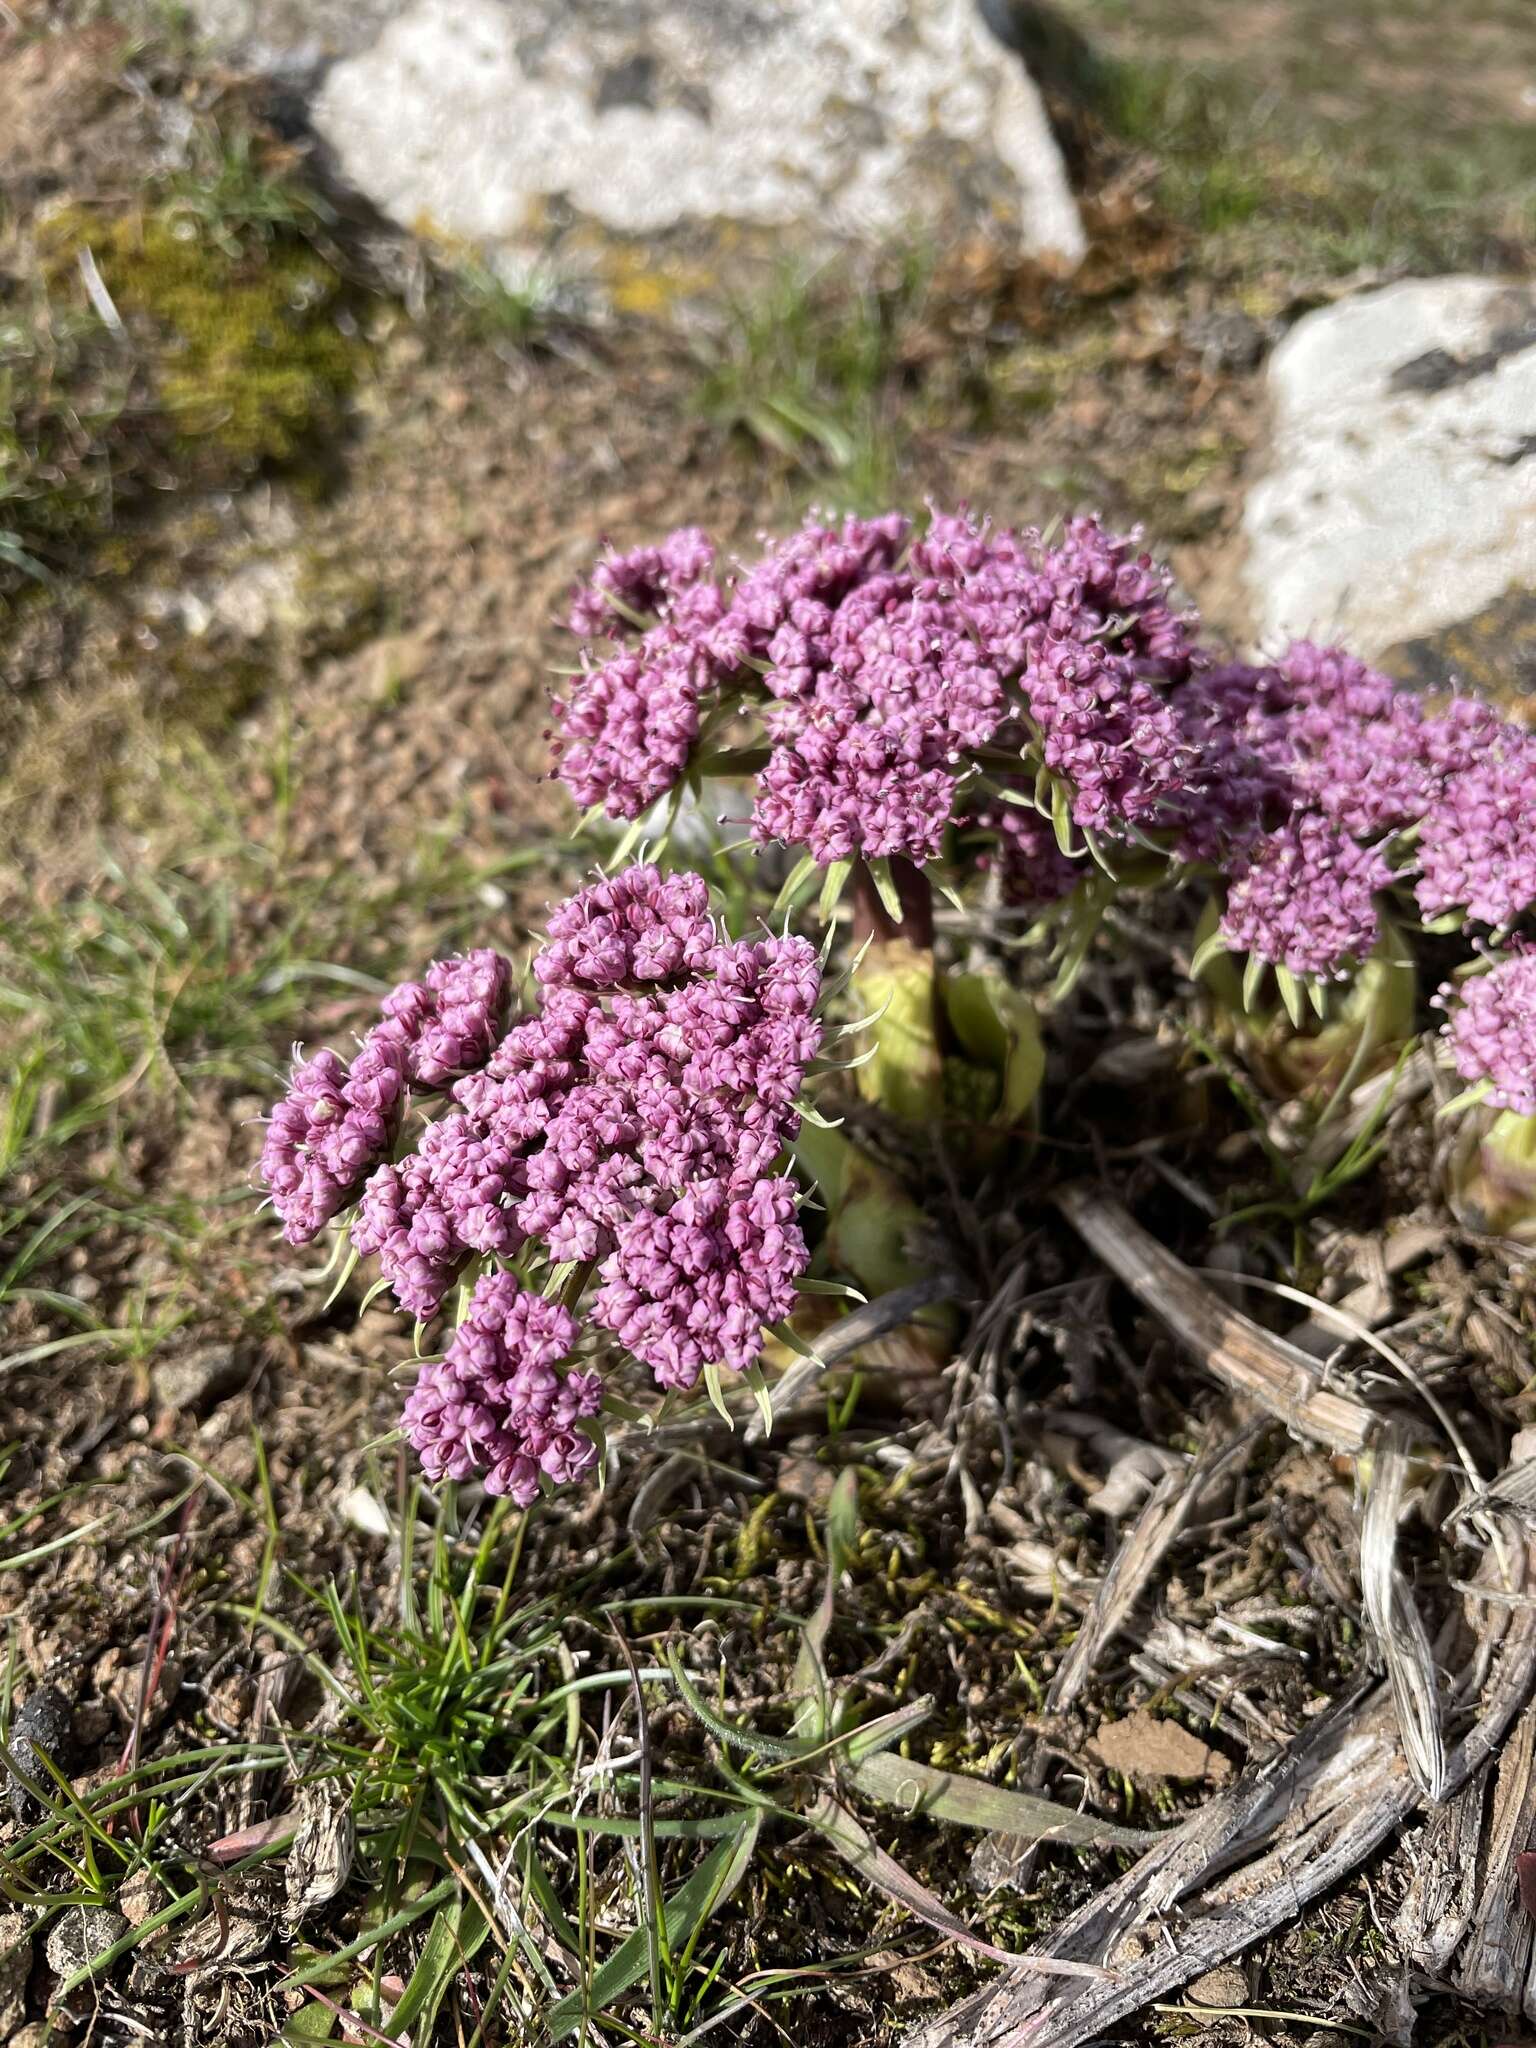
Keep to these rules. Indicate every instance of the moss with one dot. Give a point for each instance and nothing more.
(254, 349)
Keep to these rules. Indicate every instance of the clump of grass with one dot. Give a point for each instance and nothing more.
(462, 1740)
(813, 371)
(142, 987)
(238, 194)
(61, 398)
(515, 310)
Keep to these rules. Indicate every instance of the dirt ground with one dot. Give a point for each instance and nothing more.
(272, 735)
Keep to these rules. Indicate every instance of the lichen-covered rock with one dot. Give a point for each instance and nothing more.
(1400, 489)
(506, 121)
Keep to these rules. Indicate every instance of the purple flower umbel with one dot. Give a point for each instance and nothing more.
(1477, 848)
(878, 666)
(654, 1089)
(497, 1403)
(330, 1130)
(1492, 1031)
(338, 1121)
(1305, 899)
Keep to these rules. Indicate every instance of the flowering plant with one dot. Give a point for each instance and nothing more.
(970, 706)
(608, 1158)
(1029, 724)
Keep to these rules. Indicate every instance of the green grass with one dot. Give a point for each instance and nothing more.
(811, 371)
(466, 1738)
(515, 312)
(146, 985)
(553, 1811)
(1257, 156)
(202, 961)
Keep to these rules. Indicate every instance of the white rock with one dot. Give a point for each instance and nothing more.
(854, 117)
(1400, 492)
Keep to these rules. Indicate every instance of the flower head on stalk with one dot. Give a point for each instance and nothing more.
(1304, 899)
(498, 1405)
(339, 1119)
(882, 671)
(631, 1124)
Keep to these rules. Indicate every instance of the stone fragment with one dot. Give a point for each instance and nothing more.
(15, 1968)
(195, 1380)
(40, 1724)
(508, 122)
(80, 1936)
(1399, 496)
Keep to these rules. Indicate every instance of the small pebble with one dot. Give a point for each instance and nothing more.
(199, 1379)
(15, 1968)
(80, 1935)
(1225, 1986)
(141, 1894)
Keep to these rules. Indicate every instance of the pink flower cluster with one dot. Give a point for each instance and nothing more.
(1492, 1031)
(450, 1022)
(329, 1131)
(880, 664)
(338, 1121)
(909, 682)
(1477, 846)
(1377, 791)
(1304, 897)
(496, 1403)
(634, 1122)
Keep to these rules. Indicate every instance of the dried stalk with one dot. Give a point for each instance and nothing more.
(1395, 1619)
(1245, 1358)
(1242, 1867)
(1441, 1897)
(1493, 1966)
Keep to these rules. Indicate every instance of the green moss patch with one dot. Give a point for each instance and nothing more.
(254, 346)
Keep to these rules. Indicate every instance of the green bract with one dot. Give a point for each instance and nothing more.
(1346, 1033)
(1491, 1177)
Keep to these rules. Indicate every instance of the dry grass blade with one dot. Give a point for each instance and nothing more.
(1162, 1520)
(863, 1853)
(1515, 1487)
(872, 1319)
(1395, 1619)
(917, 1788)
(1244, 1357)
